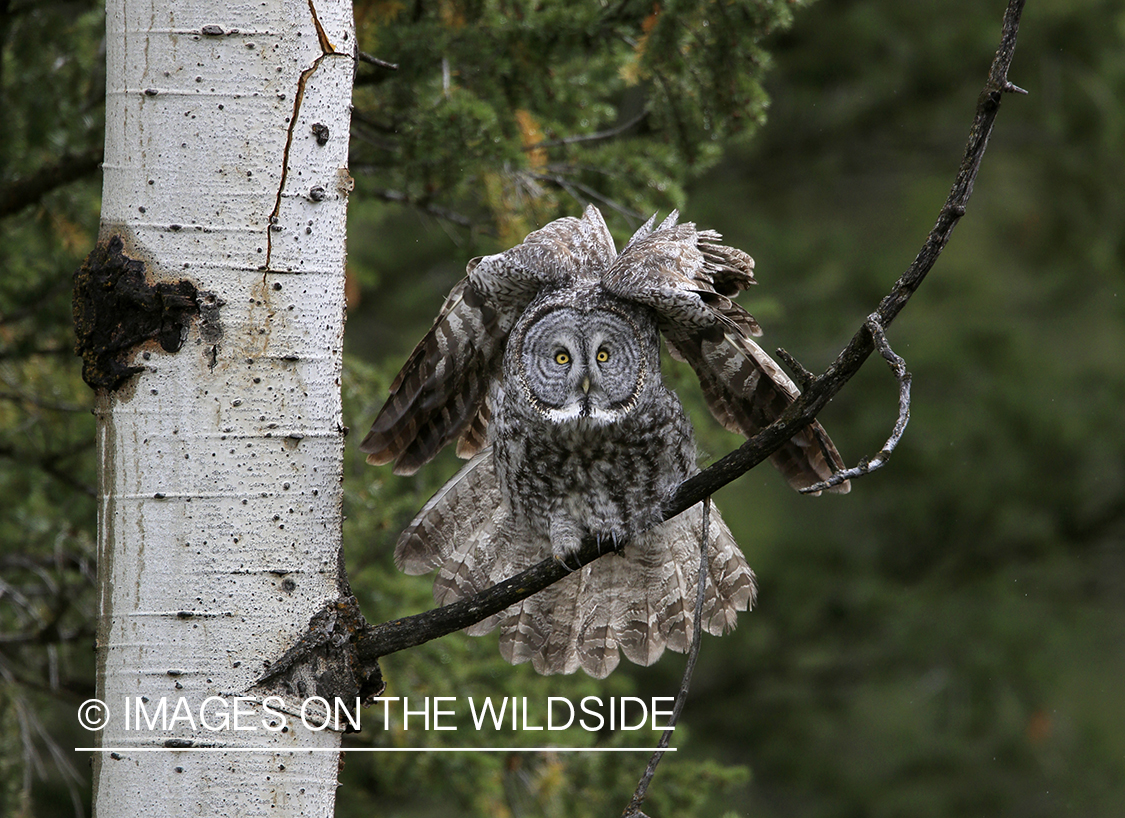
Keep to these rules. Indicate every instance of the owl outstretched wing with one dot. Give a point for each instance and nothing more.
(440, 393)
(688, 278)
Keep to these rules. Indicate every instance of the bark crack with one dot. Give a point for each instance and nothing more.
(326, 50)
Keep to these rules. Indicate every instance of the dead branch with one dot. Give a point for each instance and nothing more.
(437, 211)
(870, 464)
(28, 190)
(363, 56)
(597, 136)
(411, 631)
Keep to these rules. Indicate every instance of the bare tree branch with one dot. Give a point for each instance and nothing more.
(822, 389)
(363, 56)
(574, 189)
(51, 463)
(27, 190)
(410, 631)
(437, 211)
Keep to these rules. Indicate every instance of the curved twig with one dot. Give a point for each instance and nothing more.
(411, 631)
(25, 191)
(870, 464)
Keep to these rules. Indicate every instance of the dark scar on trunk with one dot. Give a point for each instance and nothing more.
(117, 307)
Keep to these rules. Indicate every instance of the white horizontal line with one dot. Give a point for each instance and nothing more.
(371, 749)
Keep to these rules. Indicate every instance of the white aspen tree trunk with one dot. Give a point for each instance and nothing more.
(221, 463)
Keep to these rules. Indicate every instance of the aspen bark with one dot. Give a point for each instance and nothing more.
(221, 463)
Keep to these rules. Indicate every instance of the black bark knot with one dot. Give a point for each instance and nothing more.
(117, 307)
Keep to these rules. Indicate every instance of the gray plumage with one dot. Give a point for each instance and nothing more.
(544, 363)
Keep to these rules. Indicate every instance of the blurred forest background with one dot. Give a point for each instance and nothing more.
(947, 640)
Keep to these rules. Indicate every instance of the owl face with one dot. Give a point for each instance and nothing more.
(589, 365)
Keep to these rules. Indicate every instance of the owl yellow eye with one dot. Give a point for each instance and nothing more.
(603, 356)
(562, 359)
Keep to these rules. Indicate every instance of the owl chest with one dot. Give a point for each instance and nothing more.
(604, 478)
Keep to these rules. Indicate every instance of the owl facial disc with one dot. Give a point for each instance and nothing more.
(579, 365)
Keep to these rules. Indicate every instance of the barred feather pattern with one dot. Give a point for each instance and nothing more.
(745, 391)
(637, 604)
(688, 278)
(443, 385)
(544, 365)
(683, 274)
(440, 393)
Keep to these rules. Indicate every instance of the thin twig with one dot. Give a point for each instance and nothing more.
(609, 133)
(633, 810)
(803, 410)
(574, 188)
(898, 366)
(50, 463)
(414, 630)
(802, 376)
(363, 56)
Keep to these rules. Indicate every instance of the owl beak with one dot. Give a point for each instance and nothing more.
(586, 385)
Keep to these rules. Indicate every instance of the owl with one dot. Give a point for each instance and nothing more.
(544, 366)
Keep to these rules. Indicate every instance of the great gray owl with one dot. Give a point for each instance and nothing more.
(545, 363)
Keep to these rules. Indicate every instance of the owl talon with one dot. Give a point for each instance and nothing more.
(561, 558)
(615, 539)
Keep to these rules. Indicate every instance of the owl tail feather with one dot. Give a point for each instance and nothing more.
(638, 603)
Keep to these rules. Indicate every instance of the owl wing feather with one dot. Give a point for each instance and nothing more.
(442, 385)
(440, 393)
(746, 391)
(643, 603)
(688, 279)
(466, 503)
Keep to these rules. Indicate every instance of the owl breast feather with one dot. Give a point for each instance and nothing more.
(608, 478)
